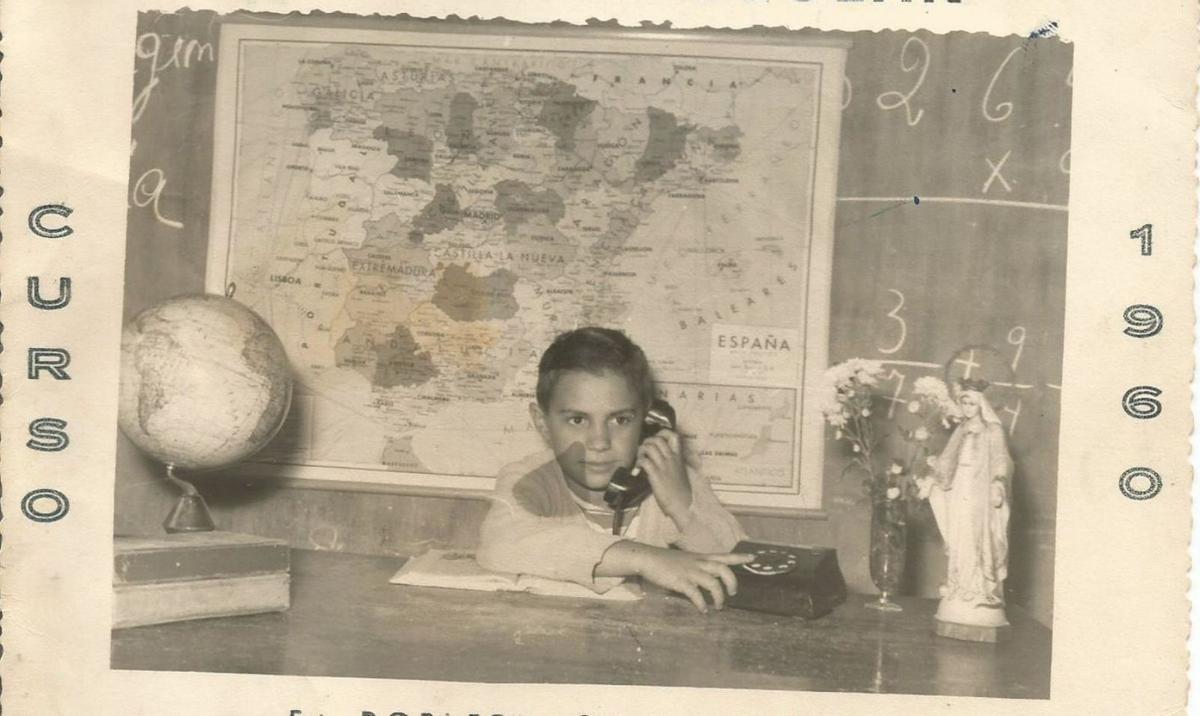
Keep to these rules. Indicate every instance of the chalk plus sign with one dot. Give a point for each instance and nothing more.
(969, 363)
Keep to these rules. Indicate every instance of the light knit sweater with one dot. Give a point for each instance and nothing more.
(537, 526)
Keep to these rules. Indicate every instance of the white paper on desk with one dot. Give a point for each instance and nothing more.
(457, 569)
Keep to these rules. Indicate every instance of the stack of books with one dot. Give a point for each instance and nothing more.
(197, 575)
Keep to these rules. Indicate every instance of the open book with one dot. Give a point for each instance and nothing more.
(457, 569)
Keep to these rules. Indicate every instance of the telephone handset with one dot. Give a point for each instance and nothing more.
(629, 487)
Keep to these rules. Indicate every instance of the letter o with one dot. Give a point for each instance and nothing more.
(31, 510)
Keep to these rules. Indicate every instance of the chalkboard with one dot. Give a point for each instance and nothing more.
(950, 239)
(950, 249)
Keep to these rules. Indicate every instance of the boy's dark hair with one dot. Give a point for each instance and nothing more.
(594, 350)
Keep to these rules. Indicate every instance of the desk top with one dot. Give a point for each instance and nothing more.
(346, 620)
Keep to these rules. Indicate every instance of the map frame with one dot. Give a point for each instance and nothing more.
(804, 493)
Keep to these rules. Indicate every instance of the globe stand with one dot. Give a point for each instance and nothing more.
(190, 513)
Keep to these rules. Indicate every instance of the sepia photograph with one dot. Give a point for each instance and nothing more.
(483, 351)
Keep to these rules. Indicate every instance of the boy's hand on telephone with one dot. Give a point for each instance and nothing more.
(661, 458)
(693, 574)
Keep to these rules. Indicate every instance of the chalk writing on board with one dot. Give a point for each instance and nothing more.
(896, 99)
(894, 314)
(895, 398)
(980, 360)
(1016, 338)
(996, 169)
(146, 192)
(914, 363)
(967, 362)
(1014, 414)
(183, 52)
(1004, 108)
(959, 200)
(848, 93)
(157, 55)
(1064, 162)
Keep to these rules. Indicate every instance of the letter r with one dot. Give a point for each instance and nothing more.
(52, 360)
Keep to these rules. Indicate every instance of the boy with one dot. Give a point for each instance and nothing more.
(548, 515)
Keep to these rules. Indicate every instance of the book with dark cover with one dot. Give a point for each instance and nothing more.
(198, 575)
(200, 555)
(790, 580)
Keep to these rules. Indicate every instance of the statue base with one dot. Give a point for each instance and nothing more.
(968, 632)
(970, 621)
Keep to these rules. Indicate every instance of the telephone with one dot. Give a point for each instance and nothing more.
(629, 487)
(788, 579)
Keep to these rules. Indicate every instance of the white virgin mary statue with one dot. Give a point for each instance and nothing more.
(969, 492)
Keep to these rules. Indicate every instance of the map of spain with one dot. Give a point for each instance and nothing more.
(417, 223)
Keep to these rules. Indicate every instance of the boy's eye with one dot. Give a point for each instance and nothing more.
(575, 420)
(623, 419)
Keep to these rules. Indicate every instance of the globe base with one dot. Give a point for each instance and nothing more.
(190, 514)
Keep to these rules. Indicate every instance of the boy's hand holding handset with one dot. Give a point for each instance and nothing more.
(661, 458)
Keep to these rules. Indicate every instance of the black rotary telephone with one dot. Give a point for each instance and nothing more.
(628, 487)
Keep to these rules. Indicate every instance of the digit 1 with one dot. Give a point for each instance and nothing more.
(1143, 233)
(896, 395)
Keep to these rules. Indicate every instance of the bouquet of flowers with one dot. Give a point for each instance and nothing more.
(850, 404)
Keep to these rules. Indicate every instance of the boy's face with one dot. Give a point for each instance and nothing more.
(592, 423)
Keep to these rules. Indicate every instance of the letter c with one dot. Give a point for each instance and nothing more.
(37, 227)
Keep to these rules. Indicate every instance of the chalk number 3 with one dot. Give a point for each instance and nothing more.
(894, 314)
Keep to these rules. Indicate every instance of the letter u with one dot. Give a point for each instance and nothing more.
(33, 291)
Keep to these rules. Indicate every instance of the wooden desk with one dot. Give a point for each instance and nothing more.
(346, 620)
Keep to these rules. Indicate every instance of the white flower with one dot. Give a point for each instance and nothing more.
(838, 435)
(857, 448)
(921, 434)
(914, 406)
(893, 493)
(933, 392)
(866, 412)
(896, 468)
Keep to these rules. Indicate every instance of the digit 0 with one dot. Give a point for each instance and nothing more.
(1140, 483)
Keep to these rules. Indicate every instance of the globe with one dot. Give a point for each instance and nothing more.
(204, 382)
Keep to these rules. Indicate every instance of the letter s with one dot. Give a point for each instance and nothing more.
(48, 435)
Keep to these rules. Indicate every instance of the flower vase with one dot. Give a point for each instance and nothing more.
(889, 542)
